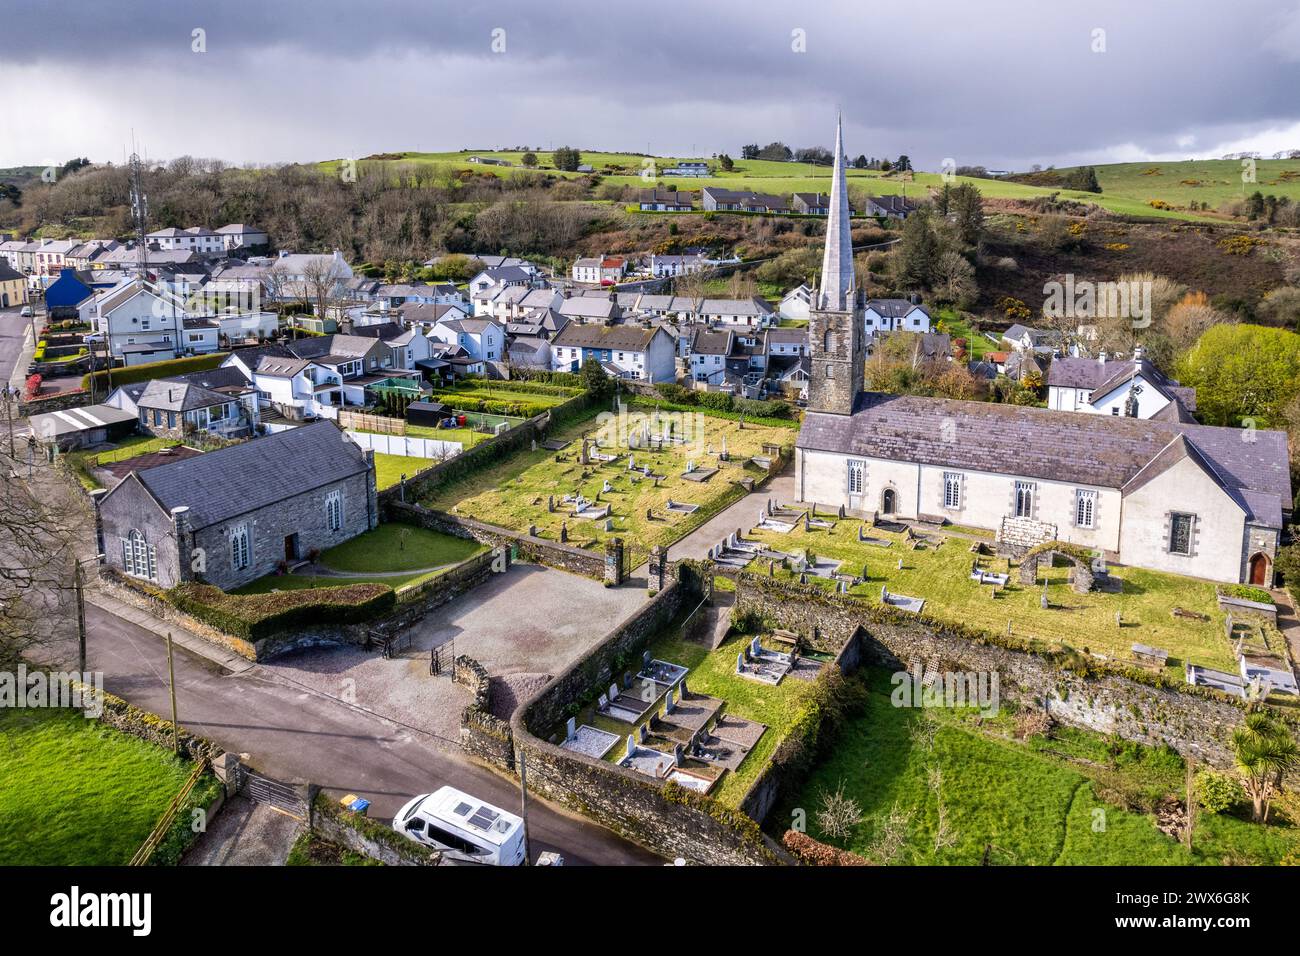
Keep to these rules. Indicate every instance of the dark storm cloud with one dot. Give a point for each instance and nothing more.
(996, 82)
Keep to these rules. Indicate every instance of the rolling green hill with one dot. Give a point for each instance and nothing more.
(1212, 181)
(1129, 197)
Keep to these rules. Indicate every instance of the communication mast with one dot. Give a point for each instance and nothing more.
(140, 213)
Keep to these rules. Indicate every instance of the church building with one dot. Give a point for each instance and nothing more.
(1166, 495)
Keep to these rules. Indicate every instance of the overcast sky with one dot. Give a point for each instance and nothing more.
(1001, 83)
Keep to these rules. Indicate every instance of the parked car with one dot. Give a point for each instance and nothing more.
(94, 338)
(26, 313)
(465, 829)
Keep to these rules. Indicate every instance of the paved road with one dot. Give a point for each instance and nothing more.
(13, 332)
(295, 734)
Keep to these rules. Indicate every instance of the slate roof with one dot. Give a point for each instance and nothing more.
(629, 338)
(894, 308)
(255, 474)
(178, 396)
(1098, 450)
(8, 273)
(708, 342)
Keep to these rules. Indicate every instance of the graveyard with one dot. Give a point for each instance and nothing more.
(704, 718)
(646, 479)
(950, 575)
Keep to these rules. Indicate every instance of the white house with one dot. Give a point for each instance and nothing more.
(1132, 388)
(502, 275)
(141, 321)
(895, 315)
(796, 303)
(601, 270)
(753, 313)
(626, 351)
(483, 339)
(240, 235)
(298, 388)
(197, 239)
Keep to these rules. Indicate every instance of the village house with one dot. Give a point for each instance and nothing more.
(499, 276)
(714, 198)
(1165, 495)
(425, 317)
(662, 267)
(895, 315)
(689, 168)
(590, 308)
(168, 409)
(796, 303)
(13, 286)
(810, 204)
(626, 351)
(240, 235)
(141, 321)
(482, 339)
(1133, 388)
(750, 313)
(664, 200)
(236, 514)
(891, 207)
(601, 270)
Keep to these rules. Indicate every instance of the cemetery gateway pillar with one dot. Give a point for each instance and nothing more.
(613, 562)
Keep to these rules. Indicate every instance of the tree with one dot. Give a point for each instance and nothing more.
(566, 158)
(904, 164)
(817, 155)
(954, 280)
(529, 159)
(776, 151)
(1243, 372)
(596, 380)
(749, 151)
(860, 162)
(726, 162)
(839, 814)
(967, 205)
(1265, 752)
(918, 251)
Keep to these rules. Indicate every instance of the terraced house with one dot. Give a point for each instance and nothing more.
(1167, 495)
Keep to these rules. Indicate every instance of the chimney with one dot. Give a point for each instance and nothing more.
(180, 527)
(1102, 357)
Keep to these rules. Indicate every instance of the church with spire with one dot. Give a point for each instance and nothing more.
(1166, 495)
(836, 331)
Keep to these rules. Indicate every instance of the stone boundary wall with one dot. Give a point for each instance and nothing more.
(53, 403)
(365, 836)
(485, 452)
(483, 735)
(553, 554)
(428, 596)
(130, 719)
(1196, 722)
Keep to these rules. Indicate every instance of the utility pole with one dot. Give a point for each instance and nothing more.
(81, 613)
(10, 397)
(171, 682)
(1191, 805)
(523, 803)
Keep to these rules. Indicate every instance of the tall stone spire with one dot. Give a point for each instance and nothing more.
(838, 282)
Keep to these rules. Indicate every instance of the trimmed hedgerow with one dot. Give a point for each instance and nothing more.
(256, 616)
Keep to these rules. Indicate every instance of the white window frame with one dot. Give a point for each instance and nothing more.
(139, 559)
(334, 511)
(241, 553)
(1085, 508)
(857, 476)
(1024, 495)
(952, 490)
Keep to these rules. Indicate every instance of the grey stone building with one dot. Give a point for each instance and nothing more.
(233, 515)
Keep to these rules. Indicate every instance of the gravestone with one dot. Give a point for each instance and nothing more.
(564, 532)
(570, 728)
(602, 702)
(740, 663)
(631, 745)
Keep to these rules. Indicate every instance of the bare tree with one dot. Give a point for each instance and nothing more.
(839, 814)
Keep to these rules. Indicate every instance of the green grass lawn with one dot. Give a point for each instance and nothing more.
(379, 556)
(977, 346)
(940, 575)
(513, 493)
(1213, 181)
(74, 792)
(1033, 802)
(390, 468)
(130, 447)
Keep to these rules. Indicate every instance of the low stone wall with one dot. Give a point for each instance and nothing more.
(130, 719)
(553, 554)
(367, 837)
(1194, 721)
(53, 403)
(483, 735)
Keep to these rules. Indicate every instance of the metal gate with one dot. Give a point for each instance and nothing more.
(283, 796)
(441, 658)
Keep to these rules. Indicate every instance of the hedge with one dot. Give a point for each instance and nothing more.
(647, 403)
(256, 616)
(126, 375)
(521, 386)
(812, 852)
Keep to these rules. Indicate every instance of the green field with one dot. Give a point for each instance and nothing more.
(513, 493)
(940, 575)
(1030, 802)
(74, 792)
(1212, 181)
(394, 554)
(81, 462)
(390, 468)
(1124, 189)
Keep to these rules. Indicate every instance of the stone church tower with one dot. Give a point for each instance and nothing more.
(836, 341)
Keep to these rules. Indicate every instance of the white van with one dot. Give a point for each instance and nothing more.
(464, 828)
